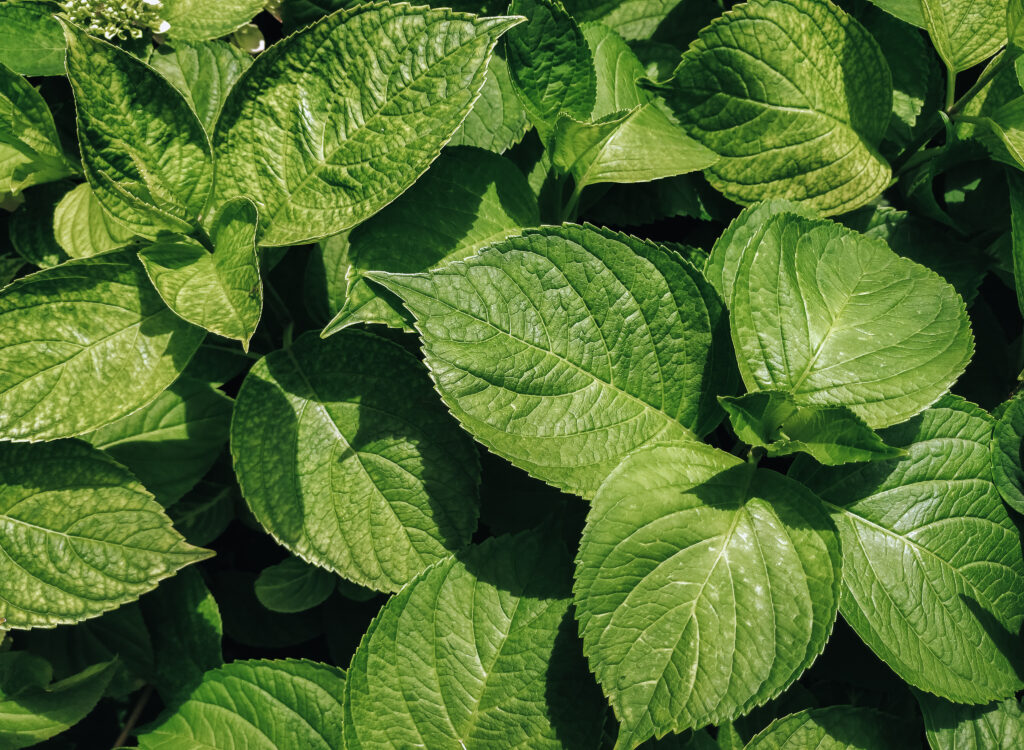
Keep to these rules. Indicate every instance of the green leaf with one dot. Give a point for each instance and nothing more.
(204, 513)
(467, 200)
(910, 11)
(315, 165)
(965, 32)
(198, 20)
(83, 228)
(832, 728)
(172, 442)
(1007, 445)
(795, 96)
(477, 653)
(41, 711)
(838, 319)
(933, 576)
(80, 535)
(293, 586)
(551, 64)
(31, 40)
(833, 435)
(704, 587)
(953, 726)
(347, 458)
(285, 703)
(30, 228)
(30, 150)
(631, 19)
(612, 340)
(498, 120)
(203, 72)
(1016, 185)
(185, 626)
(144, 151)
(83, 344)
(617, 70)
(221, 291)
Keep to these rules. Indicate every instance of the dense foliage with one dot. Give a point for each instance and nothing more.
(607, 374)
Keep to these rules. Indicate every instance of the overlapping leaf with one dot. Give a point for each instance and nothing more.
(197, 20)
(83, 228)
(832, 728)
(30, 150)
(952, 726)
(203, 72)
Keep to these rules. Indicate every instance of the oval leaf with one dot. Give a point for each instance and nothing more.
(485, 644)
(832, 728)
(293, 586)
(704, 587)
(838, 319)
(346, 456)
(287, 703)
(611, 336)
(324, 146)
(934, 576)
(197, 20)
(795, 95)
(83, 344)
(953, 726)
(83, 228)
(1007, 450)
(31, 40)
(79, 535)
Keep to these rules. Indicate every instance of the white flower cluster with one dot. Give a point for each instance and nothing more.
(116, 20)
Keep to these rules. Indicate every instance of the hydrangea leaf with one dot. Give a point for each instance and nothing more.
(30, 150)
(38, 712)
(1007, 445)
(565, 348)
(838, 319)
(31, 40)
(498, 120)
(631, 19)
(795, 96)
(954, 726)
(325, 146)
(203, 72)
(172, 442)
(965, 32)
(477, 653)
(293, 586)
(144, 151)
(69, 336)
(345, 455)
(832, 728)
(30, 228)
(467, 200)
(83, 228)
(221, 291)
(80, 535)
(909, 11)
(551, 64)
(617, 70)
(833, 435)
(934, 577)
(704, 587)
(285, 703)
(198, 20)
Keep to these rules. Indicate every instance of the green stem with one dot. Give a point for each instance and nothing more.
(950, 88)
(133, 719)
(569, 213)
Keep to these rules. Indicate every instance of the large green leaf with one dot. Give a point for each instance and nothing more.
(704, 587)
(144, 151)
(197, 20)
(838, 319)
(83, 228)
(477, 653)
(953, 726)
(833, 435)
(30, 150)
(79, 535)
(498, 120)
(934, 576)
(347, 457)
(467, 200)
(567, 347)
(632, 19)
(172, 442)
(832, 728)
(31, 40)
(965, 32)
(1007, 453)
(36, 710)
(324, 146)
(203, 72)
(795, 95)
(551, 64)
(83, 344)
(257, 704)
(221, 291)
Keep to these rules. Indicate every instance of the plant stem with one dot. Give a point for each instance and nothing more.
(950, 88)
(133, 718)
(569, 213)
